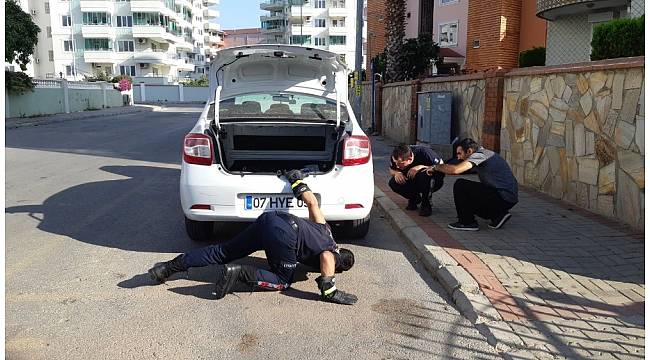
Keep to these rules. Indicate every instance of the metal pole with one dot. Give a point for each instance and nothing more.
(302, 41)
(372, 78)
(358, 50)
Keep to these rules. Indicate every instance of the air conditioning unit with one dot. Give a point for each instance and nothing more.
(33, 12)
(142, 41)
(144, 66)
(97, 65)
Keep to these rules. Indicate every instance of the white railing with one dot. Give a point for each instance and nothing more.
(84, 85)
(45, 84)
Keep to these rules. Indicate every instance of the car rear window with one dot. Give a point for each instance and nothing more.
(278, 105)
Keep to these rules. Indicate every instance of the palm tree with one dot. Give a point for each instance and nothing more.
(395, 10)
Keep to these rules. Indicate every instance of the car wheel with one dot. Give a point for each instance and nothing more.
(199, 230)
(358, 228)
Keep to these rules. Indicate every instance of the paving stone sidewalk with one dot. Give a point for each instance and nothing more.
(555, 282)
(12, 123)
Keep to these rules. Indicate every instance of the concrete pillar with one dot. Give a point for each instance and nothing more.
(66, 97)
(143, 96)
(7, 109)
(104, 86)
(180, 92)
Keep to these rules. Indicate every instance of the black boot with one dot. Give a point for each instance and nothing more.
(413, 204)
(229, 275)
(161, 271)
(425, 208)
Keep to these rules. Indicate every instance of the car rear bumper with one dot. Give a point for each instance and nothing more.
(224, 193)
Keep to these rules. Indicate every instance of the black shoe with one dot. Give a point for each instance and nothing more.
(413, 204)
(161, 271)
(229, 275)
(425, 209)
(499, 222)
(467, 227)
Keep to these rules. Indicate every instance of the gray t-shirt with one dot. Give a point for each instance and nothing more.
(494, 171)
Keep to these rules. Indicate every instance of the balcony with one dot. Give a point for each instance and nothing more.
(96, 5)
(155, 32)
(210, 14)
(151, 6)
(338, 30)
(553, 9)
(99, 56)
(184, 3)
(306, 30)
(337, 12)
(307, 11)
(186, 44)
(272, 5)
(272, 17)
(212, 39)
(274, 29)
(211, 2)
(97, 31)
(211, 26)
(185, 64)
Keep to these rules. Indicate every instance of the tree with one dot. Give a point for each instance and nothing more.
(395, 11)
(21, 35)
(200, 82)
(418, 54)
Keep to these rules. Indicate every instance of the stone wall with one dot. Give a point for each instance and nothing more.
(396, 112)
(577, 133)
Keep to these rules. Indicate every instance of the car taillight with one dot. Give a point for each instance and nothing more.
(356, 150)
(197, 149)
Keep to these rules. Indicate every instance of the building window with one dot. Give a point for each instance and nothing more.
(338, 4)
(124, 21)
(319, 4)
(69, 70)
(338, 23)
(448, 2)
(66, 20)
(297, 40)
(50, 54)
(96, 18)
(125, 45)
(337, 40)
(47, 7)
(127, 70)
(67, 45)
(448, 34)
(48, 30)
(319, 22)
(319, 41)
(97, 44)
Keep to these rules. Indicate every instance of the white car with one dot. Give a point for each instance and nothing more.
(276, 110)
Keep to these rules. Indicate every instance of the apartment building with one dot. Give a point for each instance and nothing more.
(154, 41)
(324, 24)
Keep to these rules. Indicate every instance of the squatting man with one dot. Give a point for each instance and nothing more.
(286, 239)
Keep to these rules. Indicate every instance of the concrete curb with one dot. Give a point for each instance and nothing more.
(14, 123)
(459, 284)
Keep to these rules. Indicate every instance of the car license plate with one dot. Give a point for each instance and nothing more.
(273, 202)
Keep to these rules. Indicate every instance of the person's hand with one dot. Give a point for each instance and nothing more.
(295, 179)
(430, 170)
(400, 178)
(414, 170)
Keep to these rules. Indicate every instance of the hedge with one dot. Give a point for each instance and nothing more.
(532, 57)
(618, 38)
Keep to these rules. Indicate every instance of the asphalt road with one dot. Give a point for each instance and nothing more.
(92, 204)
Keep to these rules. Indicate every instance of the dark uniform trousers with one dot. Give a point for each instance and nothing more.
(419, 187)
(272, 233)
(475, 198)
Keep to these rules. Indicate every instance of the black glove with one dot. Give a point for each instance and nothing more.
(295, 179)
(329, 292)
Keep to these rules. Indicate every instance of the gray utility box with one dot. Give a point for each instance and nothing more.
(434, 117)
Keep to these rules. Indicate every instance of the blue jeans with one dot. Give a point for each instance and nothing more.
(270, 233)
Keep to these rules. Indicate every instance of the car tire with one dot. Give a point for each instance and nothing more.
(199, 230)
(358, 228)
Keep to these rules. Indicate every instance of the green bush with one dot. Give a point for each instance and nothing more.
(201, 82)
(618, 38)
(532, 57)
(18, 82)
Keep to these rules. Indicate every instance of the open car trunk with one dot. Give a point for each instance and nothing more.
(258, 147)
